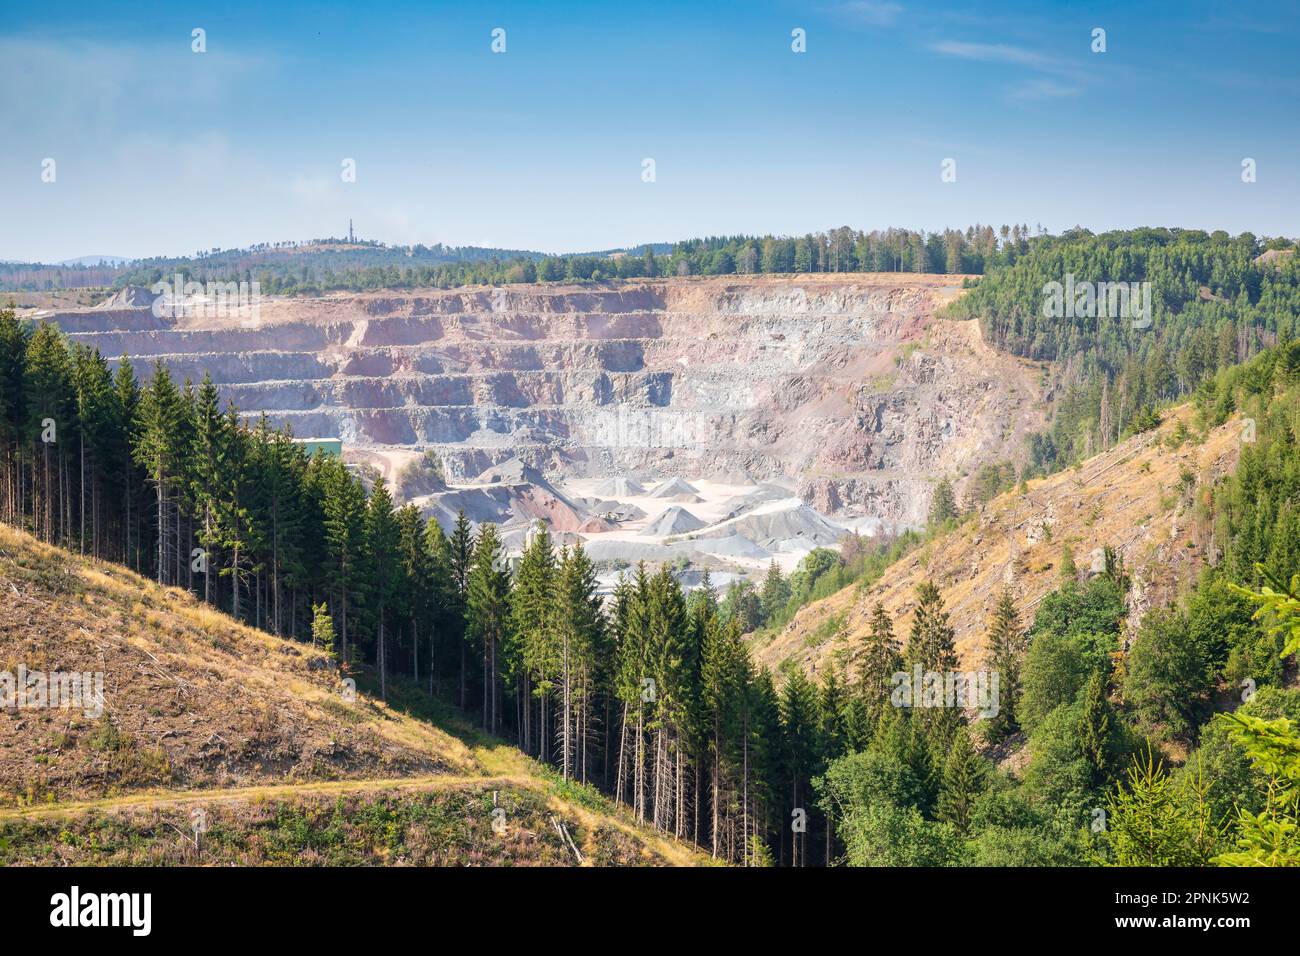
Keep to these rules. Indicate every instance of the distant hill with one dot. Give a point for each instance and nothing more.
(282, 262)
(86, 261)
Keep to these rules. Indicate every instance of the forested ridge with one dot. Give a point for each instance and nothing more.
(652, 694)
(335, 265)
(1216, 301)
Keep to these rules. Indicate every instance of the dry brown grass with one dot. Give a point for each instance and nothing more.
(203, 711)
(1130, 498)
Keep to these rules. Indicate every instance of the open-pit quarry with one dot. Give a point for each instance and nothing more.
(712, 422)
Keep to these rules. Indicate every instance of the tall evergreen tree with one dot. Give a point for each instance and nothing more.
(384, 573)
(881, 658)
(488, 614)
(1006, 649)
(534, 638)
(964, 775)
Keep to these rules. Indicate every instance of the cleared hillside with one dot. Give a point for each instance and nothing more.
(205, 718)
(1138, 498)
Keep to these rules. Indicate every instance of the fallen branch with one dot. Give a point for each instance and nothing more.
(563, 830)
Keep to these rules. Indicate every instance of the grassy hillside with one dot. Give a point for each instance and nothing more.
(1140, 498)
(205, 719)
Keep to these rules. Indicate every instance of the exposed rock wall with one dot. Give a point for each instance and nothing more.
(846, 384)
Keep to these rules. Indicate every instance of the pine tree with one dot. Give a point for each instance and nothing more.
(49, 402)
(234, 518)
(94, 397)
(208, 458)
(762, 753)
(126, 406)
(632, 685)
(673, 671)
(418, 600)
(1151, 821)
(722, 696)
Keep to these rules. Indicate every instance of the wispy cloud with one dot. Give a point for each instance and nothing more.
(1048, 77)
(994, 53)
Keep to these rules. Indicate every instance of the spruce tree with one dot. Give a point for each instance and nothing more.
(461, 553)
(578, 627)
(881, 658)
(208, 458)
(964, 776)
(384, 577)
(1095, 728)
(943, 506)
(322, 628)
(931, 645)
(126, 404)
(776, 592)
(1006, 649)
(344, 508)
(418, 599)
(488, 614)
(799, 721)
(159, 414)
(447, 620)
(50, 406)
(533, 638)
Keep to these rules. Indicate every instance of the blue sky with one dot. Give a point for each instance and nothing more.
(159, 150)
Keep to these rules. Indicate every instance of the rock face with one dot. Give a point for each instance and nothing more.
(844, 386)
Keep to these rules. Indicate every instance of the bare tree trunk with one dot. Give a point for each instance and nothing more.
(622, 745)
